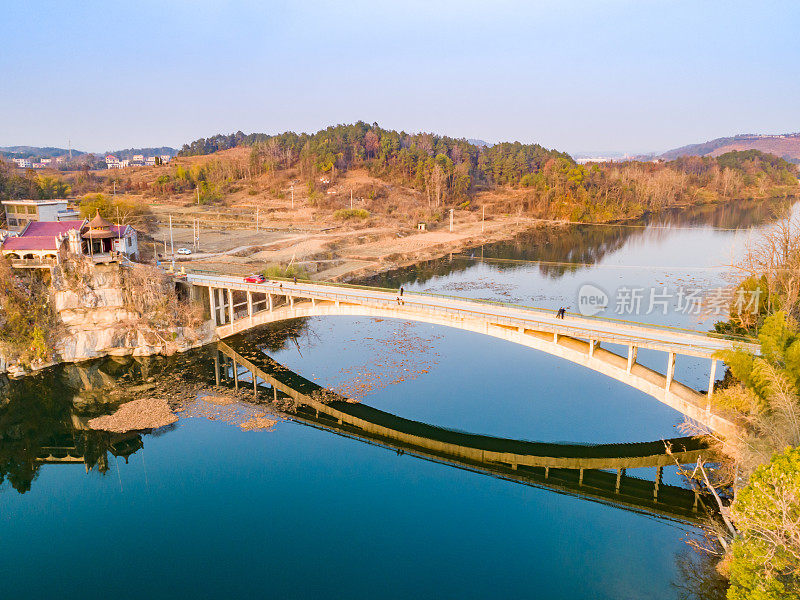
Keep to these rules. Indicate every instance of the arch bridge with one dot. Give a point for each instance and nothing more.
(236, 306)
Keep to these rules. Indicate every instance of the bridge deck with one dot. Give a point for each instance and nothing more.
(689, 343)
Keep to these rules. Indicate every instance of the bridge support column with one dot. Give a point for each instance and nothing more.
(216, 367)
(555, 337)
(291, 301)
(313, 302)
(670, 369)
(250, 306)
(230, 303)
(580, 477)
(592, 345)
(632, 352)
(270, 302)
(620, 475)
(546, 472)
(212, 305)
(659, 474)
(235, 370)
(711, 380)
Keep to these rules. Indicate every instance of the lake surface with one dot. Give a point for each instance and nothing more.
(204, 509)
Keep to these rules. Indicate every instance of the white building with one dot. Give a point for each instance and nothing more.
(21, 212)
(22, 163)
(150, 161)
(165, 158)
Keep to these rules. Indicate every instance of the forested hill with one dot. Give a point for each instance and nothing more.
(418, 159)
(786, 146)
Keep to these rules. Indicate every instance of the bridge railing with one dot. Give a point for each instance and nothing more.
(339, 291)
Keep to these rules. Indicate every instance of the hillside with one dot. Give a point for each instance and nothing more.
(31, 151)
(786, 146)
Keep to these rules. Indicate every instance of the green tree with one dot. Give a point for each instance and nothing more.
(766, 554)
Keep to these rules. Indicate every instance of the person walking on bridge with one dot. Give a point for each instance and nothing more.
(401, 291)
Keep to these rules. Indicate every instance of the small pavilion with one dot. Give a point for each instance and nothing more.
(99, 236)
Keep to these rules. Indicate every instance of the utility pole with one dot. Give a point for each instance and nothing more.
(198, 194)
(171, 244)
(292, 189)
(256, 220)
(351, 199)
(483, 218)
(69, 144)
(452, 210)
(114, 193)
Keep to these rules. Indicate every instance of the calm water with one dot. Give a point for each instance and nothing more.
(204, 509)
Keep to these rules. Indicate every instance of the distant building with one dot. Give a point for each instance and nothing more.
(22, 163)
(165, 158)
(138, 158)
(21, 212)
(150, 161)
(46, 161)
(37, 165)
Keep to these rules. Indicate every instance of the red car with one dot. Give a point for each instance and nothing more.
(254, 279)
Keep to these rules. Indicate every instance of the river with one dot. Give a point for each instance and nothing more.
(204, 509)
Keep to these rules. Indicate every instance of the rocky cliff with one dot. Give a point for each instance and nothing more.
(118, 311)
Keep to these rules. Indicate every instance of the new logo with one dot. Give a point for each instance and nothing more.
(591, 300)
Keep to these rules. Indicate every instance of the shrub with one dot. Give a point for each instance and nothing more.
(351, 213)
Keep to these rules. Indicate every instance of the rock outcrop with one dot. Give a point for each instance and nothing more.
(98, 317)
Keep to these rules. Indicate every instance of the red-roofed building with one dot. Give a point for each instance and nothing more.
(41, 243)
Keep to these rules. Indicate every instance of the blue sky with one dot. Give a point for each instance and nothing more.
(580, 76)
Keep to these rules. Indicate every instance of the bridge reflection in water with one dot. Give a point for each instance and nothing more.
(595, 472)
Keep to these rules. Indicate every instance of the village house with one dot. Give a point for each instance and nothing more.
(42, 243)
(22, 163)
(21, 212)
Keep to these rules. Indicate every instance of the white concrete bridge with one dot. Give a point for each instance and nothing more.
(236, 306)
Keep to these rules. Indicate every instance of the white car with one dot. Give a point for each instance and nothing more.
(184, 251)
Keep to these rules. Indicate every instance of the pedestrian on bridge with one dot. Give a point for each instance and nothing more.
(401, 291)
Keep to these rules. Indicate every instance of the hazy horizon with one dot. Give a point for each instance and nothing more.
(625, 77)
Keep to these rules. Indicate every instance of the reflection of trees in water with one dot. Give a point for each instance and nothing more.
(697, 576)
(588, 244)
(36, 421)
(44, 414)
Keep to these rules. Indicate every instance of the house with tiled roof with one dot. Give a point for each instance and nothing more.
(42, 244)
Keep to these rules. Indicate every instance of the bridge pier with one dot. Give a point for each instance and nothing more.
(270, 302)
(250, 306)
(712, 378)
(659, 474)
(620, 475)
(230, 303)
(592, 345)
(632, 352)
(670, 369)
(213, 306)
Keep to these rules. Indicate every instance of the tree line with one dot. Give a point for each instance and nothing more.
(449, 171)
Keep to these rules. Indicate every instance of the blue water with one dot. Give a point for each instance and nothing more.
(206, 510)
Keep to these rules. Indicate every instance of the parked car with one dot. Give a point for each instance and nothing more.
(184, 251)
(254, 279)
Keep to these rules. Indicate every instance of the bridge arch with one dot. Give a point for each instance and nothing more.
(576, 340)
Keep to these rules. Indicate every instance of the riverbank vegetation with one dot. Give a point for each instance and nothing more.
(28, 323)
(761, 468)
